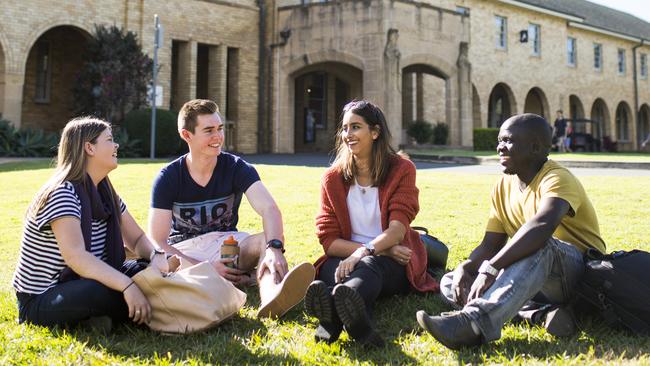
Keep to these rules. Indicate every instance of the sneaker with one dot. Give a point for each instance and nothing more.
(560, 322)
(454, 329)
(291, 290)
(351, 308)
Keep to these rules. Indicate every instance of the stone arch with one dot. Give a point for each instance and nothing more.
(501, 105)
(298, 64)
(320, 92)
(537, 103)
(443, 68)
(50, 68)
(623, 121)
(37, 32)
(643, 128)
(600, 114)
(425, 94)
(577, 111)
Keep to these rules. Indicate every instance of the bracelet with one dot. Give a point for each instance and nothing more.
(127, 286)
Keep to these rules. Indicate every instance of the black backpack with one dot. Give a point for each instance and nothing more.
(616, 287)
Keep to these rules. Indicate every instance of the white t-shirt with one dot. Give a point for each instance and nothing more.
(365, 216)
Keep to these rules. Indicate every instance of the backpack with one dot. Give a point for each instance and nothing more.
(616, 287)
(437, 251)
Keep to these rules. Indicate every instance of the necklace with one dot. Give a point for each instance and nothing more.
(363, 190)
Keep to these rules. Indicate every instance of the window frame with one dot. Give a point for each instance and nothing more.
(43, 82)
(643, 65)
(598, 56)
(536, 40)
(572, 54)
(621, 61)
(501, 32)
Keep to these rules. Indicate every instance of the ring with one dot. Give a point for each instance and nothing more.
(137, 311)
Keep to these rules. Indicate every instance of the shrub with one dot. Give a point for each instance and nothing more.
(138, 127)
(114, 77)
(420, 130)
(26, 142)
(440, 133)
(485, 139)
(129, 148)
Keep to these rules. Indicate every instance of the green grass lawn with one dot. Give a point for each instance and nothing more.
(453, 206)
(577, 156)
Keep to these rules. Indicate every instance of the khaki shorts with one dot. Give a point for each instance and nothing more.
(207, 247)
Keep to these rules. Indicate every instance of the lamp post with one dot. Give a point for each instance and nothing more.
(158, 35)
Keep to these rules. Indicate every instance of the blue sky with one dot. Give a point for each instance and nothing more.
(638, 8)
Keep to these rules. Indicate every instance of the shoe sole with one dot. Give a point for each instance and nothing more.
(349, 306)
(292, 289)
(318, 302)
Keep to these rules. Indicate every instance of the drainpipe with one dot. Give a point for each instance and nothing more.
(261, 80)
(636, 91)
(284, 35)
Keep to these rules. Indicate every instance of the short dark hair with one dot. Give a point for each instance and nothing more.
(191, 110)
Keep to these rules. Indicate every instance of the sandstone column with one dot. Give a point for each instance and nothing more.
(465, 97)
(392, 86)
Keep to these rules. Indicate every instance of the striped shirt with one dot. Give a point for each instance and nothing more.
(40, 262)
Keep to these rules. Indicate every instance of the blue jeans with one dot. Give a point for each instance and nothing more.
(548, 275)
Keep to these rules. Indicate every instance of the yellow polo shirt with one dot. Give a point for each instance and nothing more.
(511, 207)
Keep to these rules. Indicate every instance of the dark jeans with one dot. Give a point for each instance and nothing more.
(69, 303)
(373, 277)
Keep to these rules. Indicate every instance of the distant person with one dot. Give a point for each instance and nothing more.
(195, 207)
(71, 268)
(559, 131)
(368, 201)
(645, 142)
(540, 224)
(569, 136)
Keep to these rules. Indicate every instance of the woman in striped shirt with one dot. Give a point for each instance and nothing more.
(72, 267)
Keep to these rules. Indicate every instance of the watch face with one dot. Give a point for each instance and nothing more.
(275, 243)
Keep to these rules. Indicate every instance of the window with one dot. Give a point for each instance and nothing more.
(462, 10)
(621, 61)
(43, 73)
(571, 51)
(598, 56)
(501, 24)
(534, 37)
(644, 66)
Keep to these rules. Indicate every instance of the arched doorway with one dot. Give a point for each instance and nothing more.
(321, 91)
(50, 71)
(536, 102)
(623, 122)
(600, 114)
(476, 107)
(576, 111)
(501, 105)
(644, 124)
(424, 94)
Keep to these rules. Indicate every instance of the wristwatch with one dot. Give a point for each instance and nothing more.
(486, 267)
(275, 244)
(370, 246)
(154, 252)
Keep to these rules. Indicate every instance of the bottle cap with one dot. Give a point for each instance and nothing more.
(230, 241)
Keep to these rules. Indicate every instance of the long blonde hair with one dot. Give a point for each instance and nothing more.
(383, 155)
(72, 159)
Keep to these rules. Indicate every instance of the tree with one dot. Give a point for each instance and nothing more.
(114, 77)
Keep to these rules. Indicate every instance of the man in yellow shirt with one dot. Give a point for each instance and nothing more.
(544, 212)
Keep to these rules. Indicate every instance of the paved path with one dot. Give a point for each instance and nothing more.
(322, 160)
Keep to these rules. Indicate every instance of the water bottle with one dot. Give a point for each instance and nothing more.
(230, 249)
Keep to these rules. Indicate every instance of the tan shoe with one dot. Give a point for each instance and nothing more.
(291, 290)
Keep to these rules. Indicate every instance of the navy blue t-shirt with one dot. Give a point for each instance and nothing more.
(198, 210)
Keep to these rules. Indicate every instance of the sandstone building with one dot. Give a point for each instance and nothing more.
(282, 69)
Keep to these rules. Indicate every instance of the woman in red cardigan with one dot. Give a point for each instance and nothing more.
(368, 200)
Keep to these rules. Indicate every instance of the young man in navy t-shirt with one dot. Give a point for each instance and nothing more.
(195, 202)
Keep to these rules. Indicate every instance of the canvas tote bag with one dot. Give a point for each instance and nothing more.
(191, 299)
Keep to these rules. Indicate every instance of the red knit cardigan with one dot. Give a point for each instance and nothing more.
(398, 200)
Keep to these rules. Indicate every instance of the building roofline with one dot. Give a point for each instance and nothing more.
(540, 9)
(606, 32)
